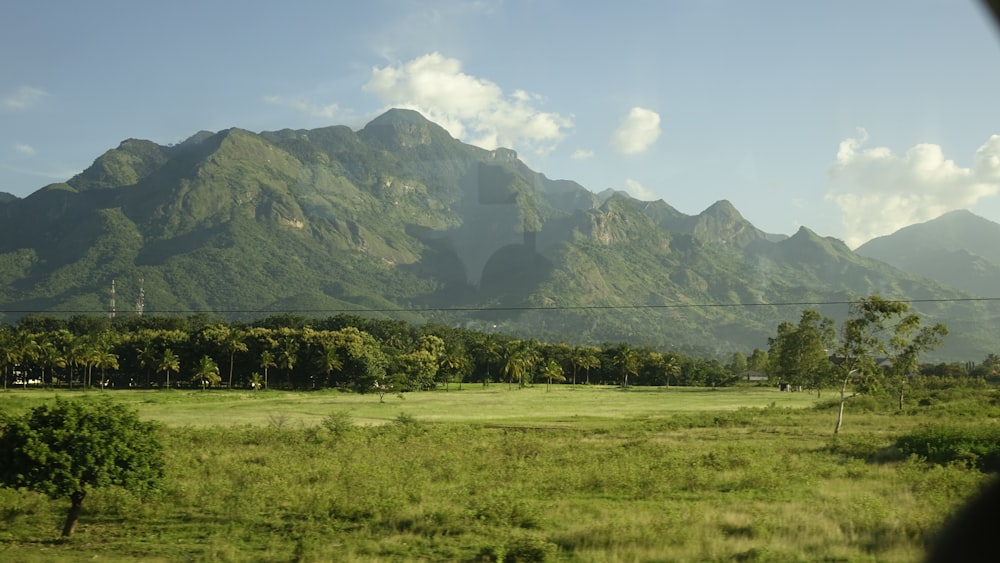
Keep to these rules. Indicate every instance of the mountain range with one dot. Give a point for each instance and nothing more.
(399, 219)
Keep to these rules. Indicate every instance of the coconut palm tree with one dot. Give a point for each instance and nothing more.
(266, 361)
(232, 342)
(168, 363)
(206, 372)
(625, 358)
(551, 370)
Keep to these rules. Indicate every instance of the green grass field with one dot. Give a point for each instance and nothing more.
(575, 474)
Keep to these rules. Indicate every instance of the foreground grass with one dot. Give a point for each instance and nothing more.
(594, 475)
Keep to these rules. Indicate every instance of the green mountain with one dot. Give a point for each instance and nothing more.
(959, 249)
(400, 219)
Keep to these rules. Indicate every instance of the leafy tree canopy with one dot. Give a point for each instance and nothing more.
(71, 447)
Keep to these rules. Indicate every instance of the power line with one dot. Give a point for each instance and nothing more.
(507, 309)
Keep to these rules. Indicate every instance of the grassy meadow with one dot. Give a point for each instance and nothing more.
(573, 474)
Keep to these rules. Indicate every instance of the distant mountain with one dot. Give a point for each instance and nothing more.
(400, 219)
(5, 197)
(959, 249)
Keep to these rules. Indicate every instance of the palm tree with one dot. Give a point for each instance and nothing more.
(328, 360)
(232, 342)
(168, 363)
(104, 358)
(521, 357)
(74, 350)
(626, 358)
(671, 367)
(589, 359)
(7, 354)
(26, 351)
(49, 357)
(551, 370)
(266, 361)
(256, 381)
(288, 355)
(147, 359)
(206, 372)
(492, 353)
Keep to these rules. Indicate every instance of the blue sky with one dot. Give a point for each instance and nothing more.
(853, 118)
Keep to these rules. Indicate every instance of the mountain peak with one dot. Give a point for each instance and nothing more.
(403, 128)
(722, 208)
(400, 115)
(721, 223)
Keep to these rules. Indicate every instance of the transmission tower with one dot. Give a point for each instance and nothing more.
(111, 305)
(140, 301)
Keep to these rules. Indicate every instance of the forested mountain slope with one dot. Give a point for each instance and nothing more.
(400, 219)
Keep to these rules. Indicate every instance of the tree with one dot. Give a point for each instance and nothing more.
(288, 355)
(232, 342)
(168, 363)
(588, 358)
(147, 359)
(26, 351)
(266, 361)
(328, 360)
(516, 362)
(49, 356)
(671, 365)
(757, 360)
(206, 372)
(8, 356)
(738, 364)
(908, 340)
(798, 353)
(625, 358)
(105, 359)
(550, 370)
(68, 449)
(876, 326)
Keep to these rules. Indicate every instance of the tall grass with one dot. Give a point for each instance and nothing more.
(751, 484)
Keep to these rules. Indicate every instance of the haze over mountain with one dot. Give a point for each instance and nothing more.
(400, 219)
(959, 249)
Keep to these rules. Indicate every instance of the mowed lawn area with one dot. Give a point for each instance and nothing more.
(571, 473)
(496, 404)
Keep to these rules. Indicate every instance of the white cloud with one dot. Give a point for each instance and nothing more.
(22, 98)
(305, 106)
(879, 192)
(582, 154)
(637, 132)
(26, 151)
(472, 109)
(638, 191)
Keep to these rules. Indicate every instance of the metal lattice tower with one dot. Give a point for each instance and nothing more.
(111, 304)
(140, 301)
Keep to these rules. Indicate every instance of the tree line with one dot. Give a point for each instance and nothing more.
(344, 351)
(878, 345)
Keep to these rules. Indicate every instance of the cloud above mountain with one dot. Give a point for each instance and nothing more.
(474, 110)
(879, 192)
(22, 98)
(637, 131)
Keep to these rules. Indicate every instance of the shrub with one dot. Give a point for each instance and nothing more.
(978, 446)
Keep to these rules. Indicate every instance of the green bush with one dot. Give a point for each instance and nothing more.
(978, 446)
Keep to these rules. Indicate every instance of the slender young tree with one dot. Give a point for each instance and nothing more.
(875, 326)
